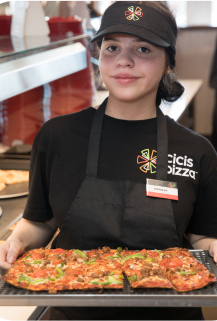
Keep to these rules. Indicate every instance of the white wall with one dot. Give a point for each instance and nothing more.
(194, 57)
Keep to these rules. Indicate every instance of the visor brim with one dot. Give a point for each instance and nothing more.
(136, 31)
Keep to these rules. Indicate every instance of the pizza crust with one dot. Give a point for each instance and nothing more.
(2, 186)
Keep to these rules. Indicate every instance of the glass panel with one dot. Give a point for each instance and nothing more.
(10, 46)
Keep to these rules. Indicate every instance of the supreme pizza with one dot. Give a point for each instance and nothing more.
(55, 270)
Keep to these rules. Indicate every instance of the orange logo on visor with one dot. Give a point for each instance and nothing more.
(134, 15)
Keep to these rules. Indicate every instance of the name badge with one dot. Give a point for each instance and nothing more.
(161, 189)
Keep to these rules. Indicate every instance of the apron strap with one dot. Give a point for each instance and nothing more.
(94, 141)
(95, 137)
(162, 146)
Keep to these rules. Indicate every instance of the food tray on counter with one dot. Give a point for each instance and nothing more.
(18, 189)
(207, 296)
(15, 190)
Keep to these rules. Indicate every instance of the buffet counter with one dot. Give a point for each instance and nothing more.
(42, 78)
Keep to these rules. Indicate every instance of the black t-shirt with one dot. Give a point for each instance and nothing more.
(128, 151)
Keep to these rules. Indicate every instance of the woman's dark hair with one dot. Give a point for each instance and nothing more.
(169, 88)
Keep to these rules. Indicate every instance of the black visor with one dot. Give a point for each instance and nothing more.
(139, 20)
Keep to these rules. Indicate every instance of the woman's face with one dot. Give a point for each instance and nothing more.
(130, 67)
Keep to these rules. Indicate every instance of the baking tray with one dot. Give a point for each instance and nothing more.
(15, 190)
(19, 189)
(6, 232)
(207, 296)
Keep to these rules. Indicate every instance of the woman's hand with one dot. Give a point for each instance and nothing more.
(213, 250)
(204, 243)
(27, 235)
(9, 251)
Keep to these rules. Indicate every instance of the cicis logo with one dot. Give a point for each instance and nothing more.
(134, 15)
(177, 165)
(148, 162)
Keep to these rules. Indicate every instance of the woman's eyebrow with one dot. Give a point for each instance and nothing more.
(117, 40)
(139, 40)
(109, 38)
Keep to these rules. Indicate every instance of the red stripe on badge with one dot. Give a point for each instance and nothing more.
(167, 196)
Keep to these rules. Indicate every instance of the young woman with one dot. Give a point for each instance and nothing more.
(89, 169)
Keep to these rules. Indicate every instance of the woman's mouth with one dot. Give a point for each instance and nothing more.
(125, 79)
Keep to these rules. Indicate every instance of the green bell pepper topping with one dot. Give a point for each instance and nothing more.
(36, 262)
(90, 262)
(24, 278)
(62, 264)
(158, 252)
(119, 249)
(133, 256)
(113, 257)
(52, 279)
(148, 259)
(28, 256)
(112, 272)
(120, 276)
(187, 273)
(118, 255)
(37, 281)
(132, 278)
(99, 283)
(60, 273)
(78, 252)
(111, 279)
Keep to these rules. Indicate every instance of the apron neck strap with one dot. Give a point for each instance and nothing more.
(162, 146)
(95, 137)
(94, 140)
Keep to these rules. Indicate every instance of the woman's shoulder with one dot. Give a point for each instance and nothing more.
(183, 135)
(79, 117)
(61, 127)
(68, 121)
(184, 141)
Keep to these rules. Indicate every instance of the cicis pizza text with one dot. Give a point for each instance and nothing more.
(181, 166)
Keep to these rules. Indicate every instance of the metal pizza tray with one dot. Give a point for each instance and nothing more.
(15, 190)
(207, 296)
(19, 189)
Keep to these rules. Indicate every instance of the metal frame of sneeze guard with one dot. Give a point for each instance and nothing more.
(23, 74)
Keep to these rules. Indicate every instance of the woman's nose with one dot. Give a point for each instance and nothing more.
(125, 60)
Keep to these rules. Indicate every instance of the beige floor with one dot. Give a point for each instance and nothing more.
(16, 313)
(210, 313)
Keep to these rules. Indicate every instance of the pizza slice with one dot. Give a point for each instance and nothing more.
(145, 272)
(184, 271)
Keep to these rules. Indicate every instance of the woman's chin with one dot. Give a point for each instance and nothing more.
(127, 97)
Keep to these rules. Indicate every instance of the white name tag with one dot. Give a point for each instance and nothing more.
(161, 189)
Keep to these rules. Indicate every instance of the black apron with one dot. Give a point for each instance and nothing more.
(118, 213)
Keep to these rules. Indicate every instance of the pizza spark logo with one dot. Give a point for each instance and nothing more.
(171, 185)
(149, 163)
(134, 15)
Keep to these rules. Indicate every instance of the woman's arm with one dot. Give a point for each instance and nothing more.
(203, 242)
(26, 235)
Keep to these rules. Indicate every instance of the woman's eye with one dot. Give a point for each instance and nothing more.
(143, 50)
(112, 48)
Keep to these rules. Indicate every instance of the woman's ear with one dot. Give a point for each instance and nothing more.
(168, 70)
